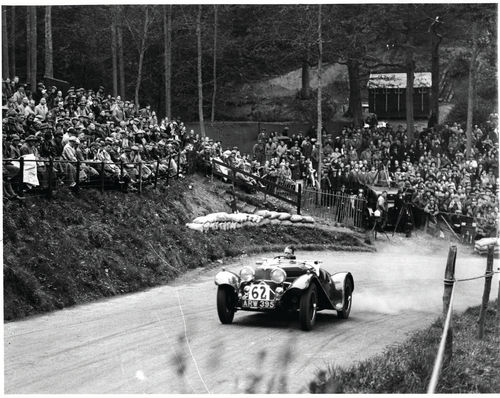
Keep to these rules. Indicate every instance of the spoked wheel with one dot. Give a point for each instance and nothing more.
(308, 306)
(226, 302)
(346, 310)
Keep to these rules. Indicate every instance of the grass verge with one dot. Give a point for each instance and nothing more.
(407, 368)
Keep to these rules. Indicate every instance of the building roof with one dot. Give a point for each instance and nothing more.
(398, 80)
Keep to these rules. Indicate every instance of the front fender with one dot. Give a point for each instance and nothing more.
(339, 279)
(227, 278)
(302, 282)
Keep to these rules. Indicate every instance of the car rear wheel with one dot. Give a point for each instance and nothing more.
(346, 310)
(308, 306)
(225, 304)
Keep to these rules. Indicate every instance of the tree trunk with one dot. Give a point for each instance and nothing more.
(320, 116)
(470, 91)
(355, 107)
(12, 41)
(121, 65)
(200, 81)
(114, 53)
(410, 74)
(435, 42)
(305, 91)
(212, 117)
(142, 50)
(33, 50)
(28, 44)
(167, 28)
(5, 45)
(49, 63)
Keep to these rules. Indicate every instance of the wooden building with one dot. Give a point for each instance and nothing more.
(387, 95)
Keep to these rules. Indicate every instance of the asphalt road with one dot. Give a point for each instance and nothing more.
(169, 339)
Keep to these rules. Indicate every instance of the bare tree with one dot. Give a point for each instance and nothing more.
(200, 81)
(470, 91)
(49, 60)
(119, 40)
(212, 118)
(5, 45)
(114, 51)
(12, 41)
(139, 36)
(320, 116)
(436, 39)
(28, 44)
(33, 46)
(410, 71)
(167, 29)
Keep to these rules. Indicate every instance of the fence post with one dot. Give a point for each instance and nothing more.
(102, 176)
(156, 172)
(77, 186)
(140, 178)
(234, 177)
(178, 164)
(299, 198)
(51, 170)
(168, 168)
(449, 281)
(486, 292)
(21, 173)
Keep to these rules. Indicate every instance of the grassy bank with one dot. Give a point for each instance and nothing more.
(75, 249)
(406, 368)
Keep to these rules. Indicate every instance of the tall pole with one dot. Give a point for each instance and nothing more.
(167, 28)
(212, 117)
(114, 54)
(12, 41)
(200, 81)
(320, 116)
(5, 45)
(49, 60)
(470, 91)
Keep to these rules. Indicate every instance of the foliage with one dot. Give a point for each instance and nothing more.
(407, 368)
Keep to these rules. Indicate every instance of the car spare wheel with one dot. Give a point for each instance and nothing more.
(308, 306)
(226, 301)
(346, 309)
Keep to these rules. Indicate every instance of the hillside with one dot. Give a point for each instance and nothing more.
(75, 249)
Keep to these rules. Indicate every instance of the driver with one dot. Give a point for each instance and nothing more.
(289, 253)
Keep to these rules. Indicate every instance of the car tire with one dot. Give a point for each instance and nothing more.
(308, 308)
(225, 304)
(346, 310)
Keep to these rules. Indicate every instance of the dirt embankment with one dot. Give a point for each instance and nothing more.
(75, 249)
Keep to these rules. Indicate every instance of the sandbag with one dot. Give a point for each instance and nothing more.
(308, 219)
(296, 218)
(264, 221)
(274, 215)
(275, 222)
(199, 220)
(262, 213)
(284, 216)
(286, 223)
(195, 227)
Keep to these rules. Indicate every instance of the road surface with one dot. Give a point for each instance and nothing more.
(169, 339)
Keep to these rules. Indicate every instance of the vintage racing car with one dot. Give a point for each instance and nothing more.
(284, 283)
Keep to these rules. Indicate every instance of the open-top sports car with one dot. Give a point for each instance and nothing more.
(284, 283)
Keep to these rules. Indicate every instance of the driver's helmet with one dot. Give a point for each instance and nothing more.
(290, 250)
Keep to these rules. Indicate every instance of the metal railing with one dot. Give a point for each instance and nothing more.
(337, 206)
(52, 172)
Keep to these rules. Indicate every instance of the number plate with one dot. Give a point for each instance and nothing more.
(259, 296)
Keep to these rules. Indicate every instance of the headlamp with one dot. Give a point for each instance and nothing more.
(247, 274)
(278, 275)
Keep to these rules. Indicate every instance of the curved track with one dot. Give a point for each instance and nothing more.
(169, 339)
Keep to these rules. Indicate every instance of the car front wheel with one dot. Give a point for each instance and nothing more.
(308, 306)
(346, 309)
(225, 304)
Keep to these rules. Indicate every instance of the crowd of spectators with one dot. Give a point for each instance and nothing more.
(92, 127)
(95, 127)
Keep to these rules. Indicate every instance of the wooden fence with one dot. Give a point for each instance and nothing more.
(445, 350)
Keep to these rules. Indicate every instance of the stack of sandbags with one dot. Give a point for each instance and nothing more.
(224, 221)
(227, 221)
(481, 245)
